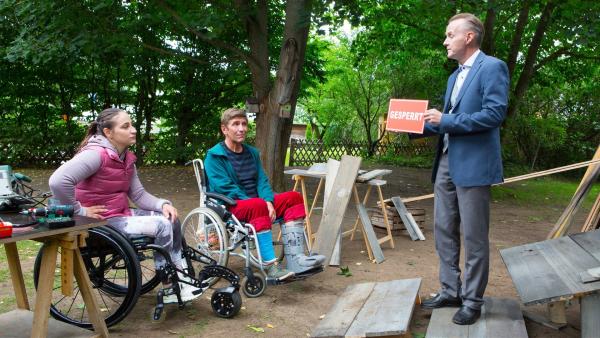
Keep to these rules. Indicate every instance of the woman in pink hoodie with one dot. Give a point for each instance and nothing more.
(101, 178)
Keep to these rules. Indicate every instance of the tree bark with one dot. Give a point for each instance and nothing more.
(532, 53)
(273, 131)
(487, 44)
(511, 61)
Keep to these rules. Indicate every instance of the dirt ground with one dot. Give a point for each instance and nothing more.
(293, 310)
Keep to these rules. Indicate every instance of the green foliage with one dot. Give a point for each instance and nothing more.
(345, 271)
(175, 65)
(417, 161)
(551, 191)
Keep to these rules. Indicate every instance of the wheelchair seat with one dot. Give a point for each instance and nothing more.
(140, 241)
(221, 198)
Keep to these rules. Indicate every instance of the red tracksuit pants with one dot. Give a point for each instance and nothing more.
(288, 205)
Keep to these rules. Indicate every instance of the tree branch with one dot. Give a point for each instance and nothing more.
(215, 43)
(563, 51)
(174, 53)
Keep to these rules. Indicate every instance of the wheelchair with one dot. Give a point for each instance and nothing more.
(121, 268)
(218, 234)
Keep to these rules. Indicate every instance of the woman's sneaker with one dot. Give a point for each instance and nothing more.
(274, 271)
(187, 290)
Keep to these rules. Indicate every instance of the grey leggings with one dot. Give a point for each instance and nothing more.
(153, 224)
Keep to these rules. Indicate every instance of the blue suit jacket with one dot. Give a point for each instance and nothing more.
(474, 153)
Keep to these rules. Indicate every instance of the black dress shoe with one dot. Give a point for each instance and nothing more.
(441, 300)
(466, 316)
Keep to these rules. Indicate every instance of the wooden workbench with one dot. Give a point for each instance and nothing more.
(370, 178)
(22, 322)
(551, 270)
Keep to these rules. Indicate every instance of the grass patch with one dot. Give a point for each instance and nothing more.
(7, 303)
(543, 191)
(27, 250)
(416, 161)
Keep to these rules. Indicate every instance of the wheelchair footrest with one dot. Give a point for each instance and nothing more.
(296, 277)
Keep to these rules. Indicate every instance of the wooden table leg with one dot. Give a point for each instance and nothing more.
(44, 290)
(85, 286)
(364, 202)
(590, 310)
(389, 236)
(357, 201)
(557, 312)
(14, 267)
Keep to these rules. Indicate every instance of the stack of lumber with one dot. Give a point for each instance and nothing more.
(396, 224)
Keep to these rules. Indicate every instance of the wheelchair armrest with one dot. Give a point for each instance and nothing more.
(222, 198)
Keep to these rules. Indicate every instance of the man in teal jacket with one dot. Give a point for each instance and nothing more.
(234, 169)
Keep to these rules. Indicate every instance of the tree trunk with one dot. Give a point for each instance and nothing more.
(517, 37)
(487, 44)
(532, 53)
(273, 131)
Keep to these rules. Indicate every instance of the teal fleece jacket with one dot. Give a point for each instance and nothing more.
(222, 178)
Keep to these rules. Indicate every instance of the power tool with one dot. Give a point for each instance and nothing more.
(53, 216)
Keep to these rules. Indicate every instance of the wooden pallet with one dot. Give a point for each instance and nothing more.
(372, 309)
(500, 318)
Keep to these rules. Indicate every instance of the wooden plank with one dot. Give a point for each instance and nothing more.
(532, 275)
(332, 170)
(377, 183)
(590, 312)
(44, 290)
(402, 212)
(373, 174)
(81, 223)
(16, 274)
(415, 226)
(337, 202)
(564, 222)
(503, 318)
(85, 286)
(342, 313)
(66, 271)
(388, 310)
(593, 219)
(542, 320)
(370, 233)
(591, 275)
(441, 325)
(568, 259)
(549, 271)
(589, 241)
(500, 318)
(305, 173)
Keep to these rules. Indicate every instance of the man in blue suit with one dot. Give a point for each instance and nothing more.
(467, 163)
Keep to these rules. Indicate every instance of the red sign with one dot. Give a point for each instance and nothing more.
(406, 116)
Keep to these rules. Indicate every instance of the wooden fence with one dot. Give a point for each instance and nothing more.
(308, 152)
(302, 152)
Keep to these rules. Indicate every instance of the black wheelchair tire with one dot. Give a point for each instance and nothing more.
(255, 287)
(124, 250)
(226, 305)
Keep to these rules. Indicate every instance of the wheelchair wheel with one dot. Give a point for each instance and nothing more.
(204, 231)
(254, 287)
(225, 304)
(114, 274)
(150, 278)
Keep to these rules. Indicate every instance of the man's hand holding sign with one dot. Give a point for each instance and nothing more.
(433, 116)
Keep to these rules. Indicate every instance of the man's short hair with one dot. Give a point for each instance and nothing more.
(231, 113)
(473, 24)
